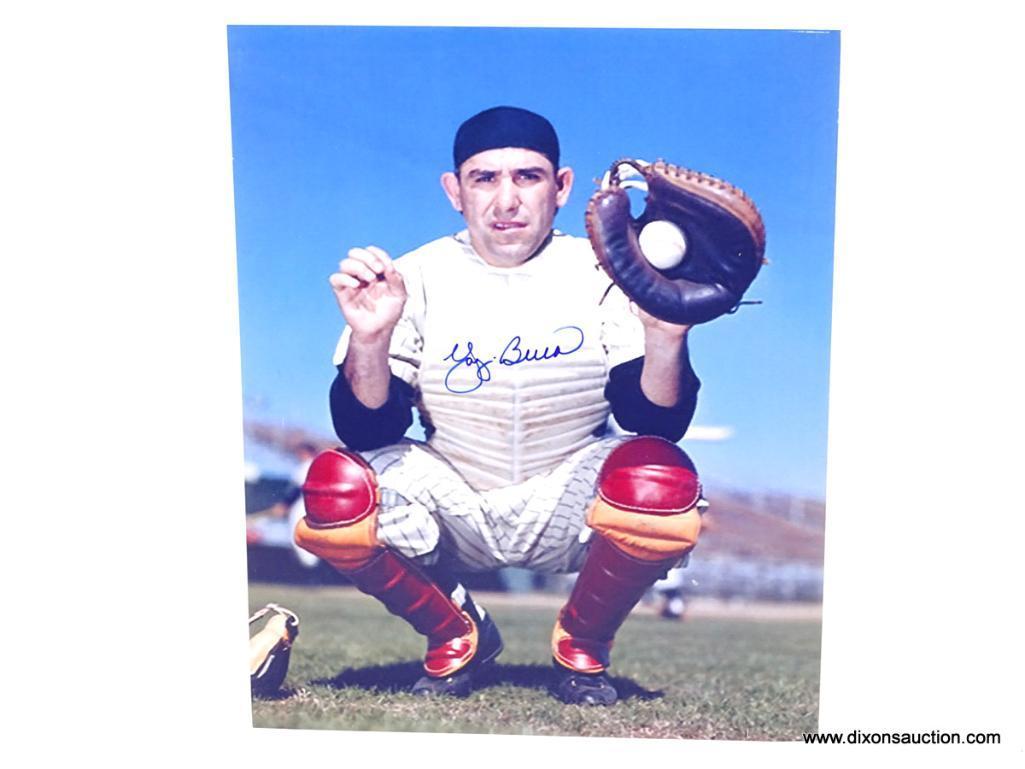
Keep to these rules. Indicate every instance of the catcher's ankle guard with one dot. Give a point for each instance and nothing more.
(271, 648)
(646, 519)
(452, 635)
(462, 682)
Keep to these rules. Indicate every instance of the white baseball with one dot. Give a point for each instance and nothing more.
(663, 244)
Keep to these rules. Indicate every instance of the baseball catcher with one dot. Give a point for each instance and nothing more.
(508, 342)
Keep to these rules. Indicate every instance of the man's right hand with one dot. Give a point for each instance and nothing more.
(370, 293)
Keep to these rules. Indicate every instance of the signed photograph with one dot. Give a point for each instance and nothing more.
(535, 365)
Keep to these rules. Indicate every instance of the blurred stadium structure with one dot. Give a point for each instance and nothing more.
(760, 546)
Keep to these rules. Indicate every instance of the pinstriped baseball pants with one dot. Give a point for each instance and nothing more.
(428, 511)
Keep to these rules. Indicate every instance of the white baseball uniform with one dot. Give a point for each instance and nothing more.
(508, 367)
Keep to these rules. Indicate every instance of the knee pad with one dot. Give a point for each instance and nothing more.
(341, 496)
(648, 491)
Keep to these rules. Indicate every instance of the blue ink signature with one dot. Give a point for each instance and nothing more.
(468, 359)
(512, 355)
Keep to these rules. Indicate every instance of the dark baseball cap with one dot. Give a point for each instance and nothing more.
(505, 127)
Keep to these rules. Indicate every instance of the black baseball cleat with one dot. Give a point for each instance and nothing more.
(462, 683)
(582, 688)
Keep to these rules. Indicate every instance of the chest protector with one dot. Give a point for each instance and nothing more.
(513, 365)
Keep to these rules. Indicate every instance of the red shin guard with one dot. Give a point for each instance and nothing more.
(607, 588)
(341, 495)
(644, 520)
(408, 593)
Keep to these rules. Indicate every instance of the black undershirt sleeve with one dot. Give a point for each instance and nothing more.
(636, 414)
(361, 428)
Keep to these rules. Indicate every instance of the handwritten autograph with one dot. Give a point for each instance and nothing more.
(512, 355)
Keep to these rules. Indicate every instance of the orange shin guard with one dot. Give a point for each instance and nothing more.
(344, 547)
(645, 536)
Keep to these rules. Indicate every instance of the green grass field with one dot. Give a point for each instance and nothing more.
(700, 679)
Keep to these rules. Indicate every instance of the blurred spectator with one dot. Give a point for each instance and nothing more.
(273, 525)
(305, 453)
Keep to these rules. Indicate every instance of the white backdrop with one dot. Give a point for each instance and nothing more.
(125, 575)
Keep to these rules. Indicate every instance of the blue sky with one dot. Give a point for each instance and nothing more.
(339, 135)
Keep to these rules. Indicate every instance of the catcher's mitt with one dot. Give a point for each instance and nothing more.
(723, 232)
(270, 649)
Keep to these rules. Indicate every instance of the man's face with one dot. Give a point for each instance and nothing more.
(509, 198)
